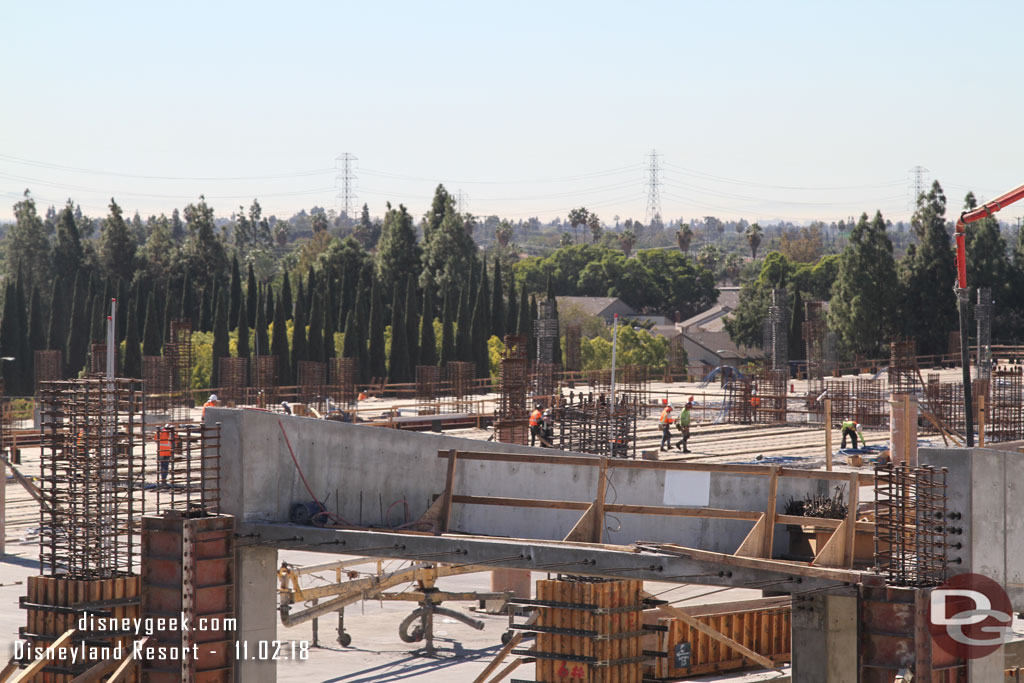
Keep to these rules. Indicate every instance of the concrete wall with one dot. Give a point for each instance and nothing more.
(987, 488)
(363, 471)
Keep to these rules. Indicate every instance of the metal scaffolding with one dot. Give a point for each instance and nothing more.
(265, 379)
(179, 350)
(814, 330)
(156, 379)
(589, 424)
(903, 372)
(233, 379)
(459, 378)
(573, 347)
(312, 380)
(428, 389)
(1005, 409)
(983, 318)
(343, 381)
(91, 476)
(910, 525)
(510, 419)
(776, 328)
(47, 366)
(189, 480)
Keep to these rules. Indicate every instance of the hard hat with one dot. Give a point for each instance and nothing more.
(213, 397)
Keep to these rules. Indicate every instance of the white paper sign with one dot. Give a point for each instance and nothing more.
(687, 489)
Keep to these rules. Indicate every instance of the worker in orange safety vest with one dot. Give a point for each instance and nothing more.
(164, 451)
(666, 421)
(535, 418)
(212, 401)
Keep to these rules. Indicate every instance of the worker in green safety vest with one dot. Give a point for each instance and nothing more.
(852, 429)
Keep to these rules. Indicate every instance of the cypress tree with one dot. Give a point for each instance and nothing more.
(556, 356)
(189, 306)
(532, 348)
(463, 329)
(524, 327)
(235, 301)
(169, 307)
(9, 339)
(206, 311)
(76, 346)
(428, 341)
(243, 333)
(132, 354)
(376, 359)
(56, 334)
(37, 326)
(98, 322)
(251, 301)
(331, 311)
(286, 296)
(447, 331)
(262, 341)
(300, 350)
(412, 328)
(512, 312)
(497, 302)
(359, 312)
(221, 340)
(478, 332)
(485, 312)
(350, 344)
(25, 368)
(316, 336)
(279, 344)
(153, 328)
(122, 310)
(398, 362)
(310, 286)
(345, 295)
(270, 306)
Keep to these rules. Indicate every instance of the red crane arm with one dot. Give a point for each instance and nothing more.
(986, 209)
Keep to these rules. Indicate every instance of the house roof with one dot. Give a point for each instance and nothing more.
(594, 305)
(729, 296)
(718, 343)
(667, 331)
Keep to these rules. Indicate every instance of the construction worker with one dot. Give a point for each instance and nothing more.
(755, 403)
(535, 419)
(164, 451)
(212, 401)
(683, 425)
(852, 429)
(666, 421)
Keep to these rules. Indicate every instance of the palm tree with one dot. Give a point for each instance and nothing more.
(753, 236)
(626, 240)
(684, 236)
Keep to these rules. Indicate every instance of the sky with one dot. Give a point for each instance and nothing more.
(755, 110)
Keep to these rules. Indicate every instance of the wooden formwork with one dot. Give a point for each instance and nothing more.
(589, 631)
(54, 606)
(766, 631)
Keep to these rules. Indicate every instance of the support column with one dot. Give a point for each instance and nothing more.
(256, 593)
(903, 429)
(824, 631)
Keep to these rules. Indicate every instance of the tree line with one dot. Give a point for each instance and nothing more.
(875, 297)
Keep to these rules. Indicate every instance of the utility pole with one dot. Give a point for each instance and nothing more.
(653, 188)
(346, 174)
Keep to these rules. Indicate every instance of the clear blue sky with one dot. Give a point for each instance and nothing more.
(754, 107)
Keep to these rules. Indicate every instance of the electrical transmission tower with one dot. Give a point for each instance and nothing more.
(653, 188)
(918, 181)
(346, 174)
(461, 201)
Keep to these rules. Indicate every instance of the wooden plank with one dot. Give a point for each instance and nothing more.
(712, 513)
(822, 522)
(599, 501)
(852, 501)
(583, 530)
(833, 553)
(753, 544)
(828, 434)
(521, 502)
(503, 652)
(96, 673)
(128, 664)
(769, 519)
(12, 666)
(449, 484)
(29, 672)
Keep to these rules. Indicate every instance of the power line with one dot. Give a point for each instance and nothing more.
(75, 169)
(537, 181)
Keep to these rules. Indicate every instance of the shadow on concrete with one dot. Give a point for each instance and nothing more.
(418, 664)
(20, 561)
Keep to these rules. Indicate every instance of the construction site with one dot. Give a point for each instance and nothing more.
(533, 527)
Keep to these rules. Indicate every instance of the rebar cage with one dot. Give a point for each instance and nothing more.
(92, 467)
(188, 479)
(910, 525)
